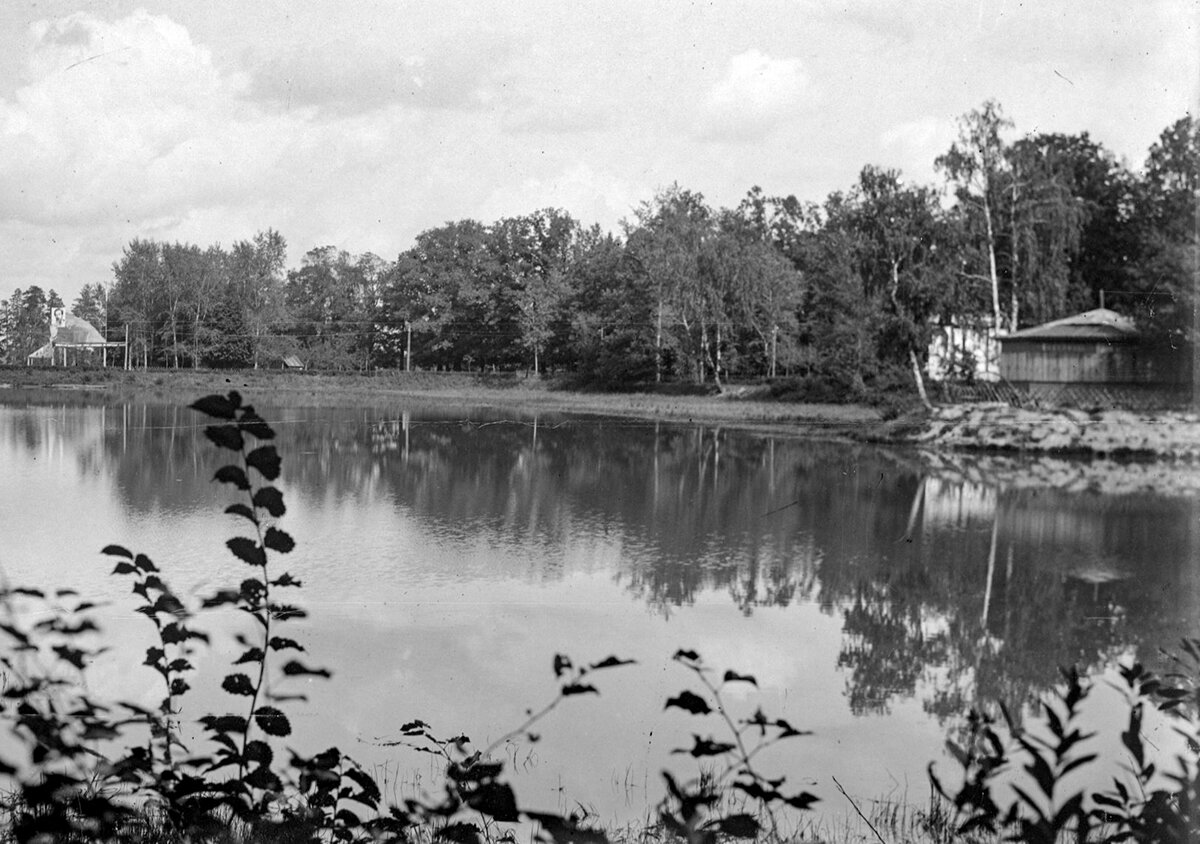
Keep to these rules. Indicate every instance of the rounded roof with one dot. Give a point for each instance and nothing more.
(75, 330)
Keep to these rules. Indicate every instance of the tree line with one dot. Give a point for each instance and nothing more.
(843, 293)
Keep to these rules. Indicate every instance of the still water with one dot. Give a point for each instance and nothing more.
(447, 557)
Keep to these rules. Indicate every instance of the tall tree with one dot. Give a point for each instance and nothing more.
(975, 166)
(256, 278)
(133, 300)
(1044, 224)
(902, 259)
(91, 305)
(1168, 219)
(668, 242)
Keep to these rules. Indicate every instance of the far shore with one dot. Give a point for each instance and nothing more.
(743, 407)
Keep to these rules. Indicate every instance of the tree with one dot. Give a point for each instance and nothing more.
(136, 278)
(256, 279)
(667, 243)
(612, 311)
(900, 241)
(1045, 224)
(975, 165)
(91, 305)
(1168, 225)
(761, 286)
(324, 295)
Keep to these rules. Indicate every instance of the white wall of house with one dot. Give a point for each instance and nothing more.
(953, 342)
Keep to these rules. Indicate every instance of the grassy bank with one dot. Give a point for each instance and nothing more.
(741, 407)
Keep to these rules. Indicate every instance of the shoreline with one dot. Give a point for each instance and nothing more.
(744, 408)
(999, 429)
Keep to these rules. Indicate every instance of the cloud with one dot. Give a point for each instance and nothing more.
(913, 145)
(343, 78)
(121, 119)
(589, 196)
(755, 94)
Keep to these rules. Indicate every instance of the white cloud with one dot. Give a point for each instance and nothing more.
(589, 196)
(756, 92)
(912, 146)
(121, 119)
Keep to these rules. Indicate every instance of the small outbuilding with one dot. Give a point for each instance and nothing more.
(1098, 355)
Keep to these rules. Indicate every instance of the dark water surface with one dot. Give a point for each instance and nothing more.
(446, 560)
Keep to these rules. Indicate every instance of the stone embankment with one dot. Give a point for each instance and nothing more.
(1117, 433)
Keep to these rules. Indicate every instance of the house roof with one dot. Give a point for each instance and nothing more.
(75, 330)
(1096, 324)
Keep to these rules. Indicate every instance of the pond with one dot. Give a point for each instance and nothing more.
(447, 557)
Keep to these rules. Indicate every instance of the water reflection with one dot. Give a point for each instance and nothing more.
(952, 583)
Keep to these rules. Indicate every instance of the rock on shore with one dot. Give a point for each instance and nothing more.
(999, 427)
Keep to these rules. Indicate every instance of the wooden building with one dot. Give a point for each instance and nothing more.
(1098, 356)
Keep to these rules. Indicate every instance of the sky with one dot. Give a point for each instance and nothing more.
(361, 123)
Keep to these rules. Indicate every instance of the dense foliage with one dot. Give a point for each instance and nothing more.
(843, 294)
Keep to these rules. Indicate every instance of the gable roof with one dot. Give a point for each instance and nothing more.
(1096, 324)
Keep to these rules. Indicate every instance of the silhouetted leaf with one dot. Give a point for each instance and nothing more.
(566, 830)
(124, 568)
(71, 655)
(562, 664)
(271, 500)
(460, 833)
(579, 689)
(265, 779)
(247, 550)
(295, 668)
(179, 686)
(702, 747)
(286, 579)
(611, 662)
(250, 655)
(225, 436)
(786, 730)
(757, 791)
(690, 656)
(474, 770)
(272, 721)
(279, 643)
(283, 612)
(739, 826)
(232, 475)
(278, 540)
(689, 702)
(368, 788)
(224, 596)
(802, 800)
(414, 728)
(238, 684)
(495, 799)
(154, 656)
(254, 425)
(216, 406)
(259, 752)
(224, 723)
(266, 460)
(117, 551)
(734, 677)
